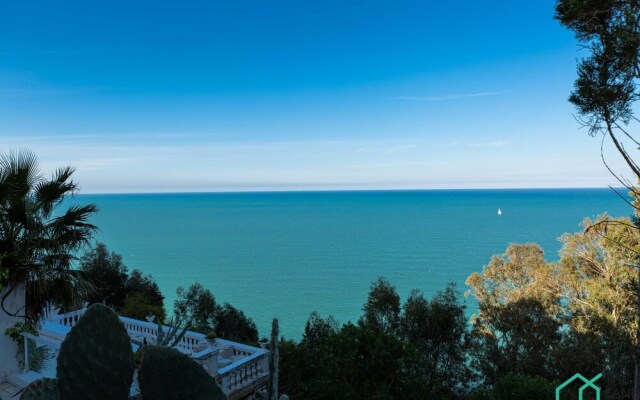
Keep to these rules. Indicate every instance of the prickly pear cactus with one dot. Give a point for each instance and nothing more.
(167, 374)
(41, 389)
(95, 360)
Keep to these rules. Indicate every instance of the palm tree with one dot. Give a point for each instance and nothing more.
(38, 242)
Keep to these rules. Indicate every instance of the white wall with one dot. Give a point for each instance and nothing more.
(8, 348)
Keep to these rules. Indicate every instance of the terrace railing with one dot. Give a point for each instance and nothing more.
(247, 371)
(147, 332)
(249, 365)
(67, 319)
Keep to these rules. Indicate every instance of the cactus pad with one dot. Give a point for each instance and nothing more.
(41, 389)
(167, 374)
(95, 360)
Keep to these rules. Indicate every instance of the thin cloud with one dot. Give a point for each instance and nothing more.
(495, 143)
(449, 97)
(393, 149)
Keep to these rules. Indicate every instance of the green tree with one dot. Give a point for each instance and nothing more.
(583, 308)
(606, 90)
(38, 237)
(517, 337)
(516, 291)
(145, 285)
(137, 306)
(317, 330)
(233, 324)
(599, 291)
(382, 309)
(292, 366)
(438, 329)
(594, 275)
(356, 362)
(133, 295)
(392, 370)
(197, 306)
(416, 351)
(515, 386)
(520, 273)
(107, 274)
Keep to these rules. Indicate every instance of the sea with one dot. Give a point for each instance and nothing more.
(287, 254)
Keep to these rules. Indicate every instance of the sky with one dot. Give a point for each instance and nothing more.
(183, 96)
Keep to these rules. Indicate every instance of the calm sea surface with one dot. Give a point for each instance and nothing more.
(287, 254)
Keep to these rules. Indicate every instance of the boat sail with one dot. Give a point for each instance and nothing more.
(499, 211)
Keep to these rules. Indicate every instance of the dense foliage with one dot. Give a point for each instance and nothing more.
(107, 274)
(133, 295)
(143, 297)
(413, 351)
(605, 94)
(550, 320)
(233, 324)
(197, 306)
(537, 324)
(136, 295)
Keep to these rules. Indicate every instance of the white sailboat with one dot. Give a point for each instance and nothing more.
(499, 211)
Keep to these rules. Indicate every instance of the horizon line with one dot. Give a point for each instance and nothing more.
(613, 188)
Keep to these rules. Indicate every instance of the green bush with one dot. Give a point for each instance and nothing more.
(136, 306)
(522, 387)
(132, 294)
(481, 393)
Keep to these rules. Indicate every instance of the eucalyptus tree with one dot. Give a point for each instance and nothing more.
(39, 235)
(582, 308)
(606, 89)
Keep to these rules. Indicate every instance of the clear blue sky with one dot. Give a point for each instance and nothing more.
(277, 95)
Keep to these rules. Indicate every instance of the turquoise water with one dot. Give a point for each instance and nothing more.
(287, 254)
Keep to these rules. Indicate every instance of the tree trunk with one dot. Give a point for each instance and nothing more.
(636, 377)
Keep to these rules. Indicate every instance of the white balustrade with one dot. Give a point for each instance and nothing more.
(143, 331)
(243, 372)
(67, 319)
(250, 363)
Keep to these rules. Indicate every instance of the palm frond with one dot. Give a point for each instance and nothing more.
(76, 216)
(51, 193)
(61, 286)
(73, 227)
(38, 249)
(20, 172)
(39, 356)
